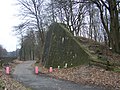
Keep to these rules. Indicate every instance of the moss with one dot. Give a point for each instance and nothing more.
(62, 47)
(116, 70)
(2, 85)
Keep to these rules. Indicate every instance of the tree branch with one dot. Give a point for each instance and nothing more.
(103, 2)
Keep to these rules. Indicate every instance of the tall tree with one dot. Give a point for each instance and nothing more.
(27, 51)
(33, 18)
(113, 30)
(32, 11)
(71, 13)
(3, 51)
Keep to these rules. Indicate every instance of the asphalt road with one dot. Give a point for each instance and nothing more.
(24, 73)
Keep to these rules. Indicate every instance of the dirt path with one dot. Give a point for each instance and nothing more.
(24, 73)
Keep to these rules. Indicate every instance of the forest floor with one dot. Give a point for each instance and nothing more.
(87, 75)
(7, 83)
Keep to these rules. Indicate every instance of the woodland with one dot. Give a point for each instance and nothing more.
(96, 20)
(80, 39)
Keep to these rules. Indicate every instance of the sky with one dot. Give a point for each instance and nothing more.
(8, 19)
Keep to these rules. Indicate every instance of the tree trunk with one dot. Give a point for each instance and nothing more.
(114, 26)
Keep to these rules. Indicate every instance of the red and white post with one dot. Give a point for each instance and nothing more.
(50, 69)
(7, 70)
(36, 69)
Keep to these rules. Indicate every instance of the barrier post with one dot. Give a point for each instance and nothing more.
(50, 69)
(7, 70)
(36, 69)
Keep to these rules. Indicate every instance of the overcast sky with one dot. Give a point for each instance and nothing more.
(8, 19)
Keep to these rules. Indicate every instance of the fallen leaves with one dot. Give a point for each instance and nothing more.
(11, 84)
(89, 75)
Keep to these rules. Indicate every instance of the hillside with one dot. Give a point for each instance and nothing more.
(95, 74)
(99, 50)
(61, 48)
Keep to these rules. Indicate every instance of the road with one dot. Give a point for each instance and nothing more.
(24, 73)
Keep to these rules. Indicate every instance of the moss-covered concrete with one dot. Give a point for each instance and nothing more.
(61, 47)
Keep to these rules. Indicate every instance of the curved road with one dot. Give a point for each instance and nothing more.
(24, 73)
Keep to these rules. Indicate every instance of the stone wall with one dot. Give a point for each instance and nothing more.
(61, 47)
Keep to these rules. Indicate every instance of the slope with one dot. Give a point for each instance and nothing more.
(62, 47)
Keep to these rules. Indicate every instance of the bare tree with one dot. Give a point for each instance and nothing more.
(71, 13)
(32, 10)
(113, 30)
(34, 18)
